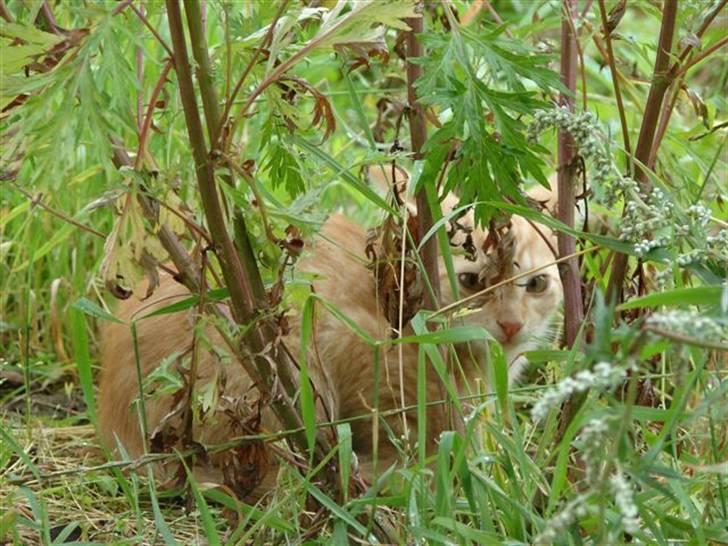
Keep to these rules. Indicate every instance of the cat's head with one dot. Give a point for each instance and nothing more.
(517, 312)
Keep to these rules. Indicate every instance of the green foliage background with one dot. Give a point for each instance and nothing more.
(501, 484)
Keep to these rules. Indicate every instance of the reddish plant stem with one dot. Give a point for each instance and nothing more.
(615, 82)
(418, 137)
(5, 12)
(566, 182)
(580, 56)
(144, 131)
(211, 107)
(570, 278)
(658, 88)
(699, 33)
(151, 29)
(260, 340)
(139, 57)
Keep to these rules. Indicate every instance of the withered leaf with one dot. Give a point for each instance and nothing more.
(384, 249)
(615, 15)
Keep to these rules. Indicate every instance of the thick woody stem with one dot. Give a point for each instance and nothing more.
(658, 88)
(574, 312)
(258, 340)
(248, 302)
(566, 181)
(211, 107)
(418, 136)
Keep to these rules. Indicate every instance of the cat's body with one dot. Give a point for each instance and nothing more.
(343, 364)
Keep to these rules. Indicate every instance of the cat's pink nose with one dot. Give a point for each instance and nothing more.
(510, 329)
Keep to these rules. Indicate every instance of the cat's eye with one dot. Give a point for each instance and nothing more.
(470, 281)
(537, 284)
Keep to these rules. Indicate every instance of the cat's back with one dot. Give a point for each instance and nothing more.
(338, 264)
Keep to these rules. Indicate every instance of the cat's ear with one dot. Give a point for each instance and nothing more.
(393, 180)
(549, 198)
(388, 178)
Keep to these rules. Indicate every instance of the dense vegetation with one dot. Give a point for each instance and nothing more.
(136, 133)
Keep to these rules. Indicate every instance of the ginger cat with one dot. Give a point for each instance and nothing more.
(342, 364)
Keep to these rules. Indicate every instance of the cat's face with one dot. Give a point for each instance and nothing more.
(520, 310)
(517, 312)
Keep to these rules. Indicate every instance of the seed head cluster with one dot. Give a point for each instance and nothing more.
(603, 376)
(652, 219)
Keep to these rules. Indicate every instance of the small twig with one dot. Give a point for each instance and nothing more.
(497, 18)
(147, 24)
(36, 201)
(701, 56)
(682, 338)
(668, 108)
(712, 130)
(699, 33)
(121, 7)
(47, 13)
(141, 150)
(615, 83)
(587, 7)
(580, 55)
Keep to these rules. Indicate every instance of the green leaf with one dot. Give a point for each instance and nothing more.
(88, 307)
(342, 171)
(698, 295)
(82, 356)
(218, 294)
(208, 523)
(343, 433)
(308, 404)
(28, 34)
(459, 334)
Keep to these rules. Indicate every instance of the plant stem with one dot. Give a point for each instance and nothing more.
(566, 182)
(144, 128)
(232, 269)
(615, 83)
(36, 201)
(660, 83)
(658, 88)
(213, 118)
(260, 340)
(570, 278)
(418, 136)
